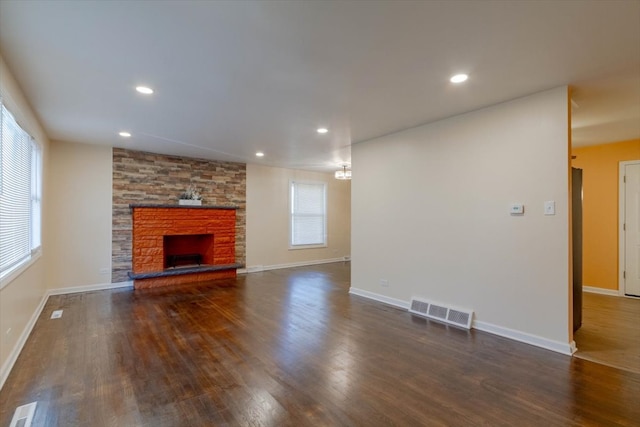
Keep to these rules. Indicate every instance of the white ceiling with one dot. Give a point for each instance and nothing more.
(233, 78)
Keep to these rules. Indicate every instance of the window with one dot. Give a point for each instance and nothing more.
(20, 194)
(308, 219)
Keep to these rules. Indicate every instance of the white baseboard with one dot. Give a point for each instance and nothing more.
(557, 346)
(259, 268)
(380, 298)
(89, 288)
(13, 356)
(596, 290)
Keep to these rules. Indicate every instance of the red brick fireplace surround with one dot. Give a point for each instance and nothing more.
(173, 244)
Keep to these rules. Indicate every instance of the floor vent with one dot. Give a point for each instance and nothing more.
(441, 313)
(23, 416)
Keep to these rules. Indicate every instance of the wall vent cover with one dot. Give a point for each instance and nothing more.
(441, 313)
(419, 307)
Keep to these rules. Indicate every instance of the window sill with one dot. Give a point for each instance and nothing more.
(295, 248)
(16, 271)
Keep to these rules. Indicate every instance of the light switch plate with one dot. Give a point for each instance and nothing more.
(550, 207)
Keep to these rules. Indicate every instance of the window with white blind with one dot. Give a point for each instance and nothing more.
(308, 214)
(20, 194)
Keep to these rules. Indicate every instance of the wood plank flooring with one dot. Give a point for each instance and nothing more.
(610, 331)
(293, 348)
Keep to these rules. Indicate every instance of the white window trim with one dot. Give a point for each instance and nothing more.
(12, 274)
(38, 185)
(290, 216)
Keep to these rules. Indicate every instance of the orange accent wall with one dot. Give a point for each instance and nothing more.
(600, 165)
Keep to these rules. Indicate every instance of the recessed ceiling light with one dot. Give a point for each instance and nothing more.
(459, 78)
(125, 134)
(259, 154)
(144, 89)
(322, 130)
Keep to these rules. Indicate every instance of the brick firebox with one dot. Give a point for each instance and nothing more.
(152, 225)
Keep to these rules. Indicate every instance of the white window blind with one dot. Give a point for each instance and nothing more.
(20, 166)
(308, 214)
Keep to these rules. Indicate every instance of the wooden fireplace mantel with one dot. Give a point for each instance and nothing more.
(168, 206)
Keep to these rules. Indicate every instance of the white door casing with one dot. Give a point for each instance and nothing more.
(629, 275)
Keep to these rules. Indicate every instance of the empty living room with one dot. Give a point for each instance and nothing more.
(319, 213)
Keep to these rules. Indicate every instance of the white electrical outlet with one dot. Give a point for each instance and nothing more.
(56, 314)
(384, 283)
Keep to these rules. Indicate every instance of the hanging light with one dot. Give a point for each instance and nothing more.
(344, 173)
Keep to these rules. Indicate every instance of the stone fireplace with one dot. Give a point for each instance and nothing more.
(174, 245)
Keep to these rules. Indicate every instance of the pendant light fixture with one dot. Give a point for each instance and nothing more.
(344, 173)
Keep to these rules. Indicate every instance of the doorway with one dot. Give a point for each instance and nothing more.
(629, 226)
(609, 334)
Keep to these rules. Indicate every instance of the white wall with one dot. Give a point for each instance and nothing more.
(20, 297)
(430, 215)
(268, 218)
(79, 215)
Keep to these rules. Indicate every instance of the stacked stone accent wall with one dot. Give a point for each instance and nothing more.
(147, 178)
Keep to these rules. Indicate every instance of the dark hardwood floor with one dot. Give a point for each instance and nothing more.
(610, 332)
(293, 348)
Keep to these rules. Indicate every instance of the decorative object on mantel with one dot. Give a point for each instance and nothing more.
(190, 197)
(344, 173)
